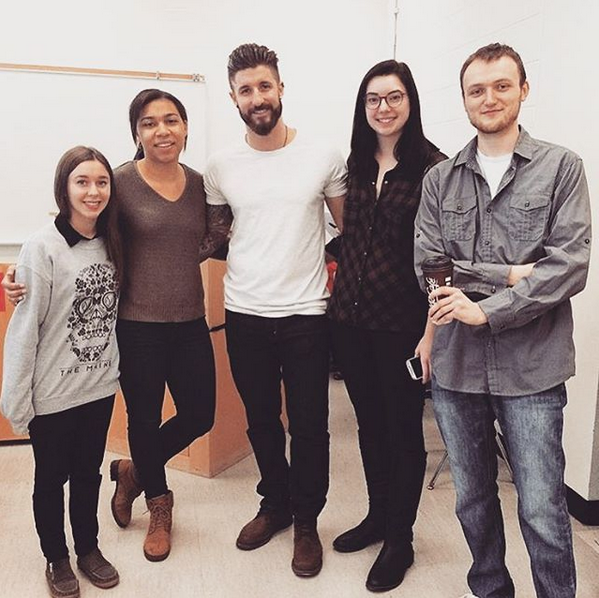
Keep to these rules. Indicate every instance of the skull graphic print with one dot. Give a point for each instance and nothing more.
(93, 312)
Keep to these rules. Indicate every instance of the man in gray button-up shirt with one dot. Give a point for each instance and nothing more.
(513, 213)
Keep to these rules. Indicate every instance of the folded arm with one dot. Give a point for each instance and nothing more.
(563, 271)
(477, 277)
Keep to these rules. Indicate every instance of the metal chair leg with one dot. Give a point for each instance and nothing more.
(437, 473)
(500, 446)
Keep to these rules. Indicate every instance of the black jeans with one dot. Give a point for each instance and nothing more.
(154, 354)
(295, 349)
(388, 406)
(69, 445)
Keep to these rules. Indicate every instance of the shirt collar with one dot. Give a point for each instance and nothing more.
(524, 147)
(373, 169)
(71, 236)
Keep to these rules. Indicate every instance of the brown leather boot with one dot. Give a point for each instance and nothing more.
(307, 549)
(126, 491)
(157, 545)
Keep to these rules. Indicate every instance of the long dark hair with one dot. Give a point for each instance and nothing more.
(107, 224)
(140, 101)
(413, 149)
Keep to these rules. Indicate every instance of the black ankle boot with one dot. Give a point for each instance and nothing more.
(390, 566)
(369, 531)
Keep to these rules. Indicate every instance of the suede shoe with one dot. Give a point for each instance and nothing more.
(369, 531)
(127, 489)
(61, 579)
(307, 549)
(390, 566)
(262, 528)
(98, 570)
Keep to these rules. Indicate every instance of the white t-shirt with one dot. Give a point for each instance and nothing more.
(493, 168)
(276, 266)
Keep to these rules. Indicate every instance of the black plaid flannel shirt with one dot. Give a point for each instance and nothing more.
(375, 285)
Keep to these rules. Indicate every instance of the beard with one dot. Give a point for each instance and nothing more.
(489, 127)
(264, 127)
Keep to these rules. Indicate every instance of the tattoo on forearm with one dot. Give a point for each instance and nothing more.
(218, 226)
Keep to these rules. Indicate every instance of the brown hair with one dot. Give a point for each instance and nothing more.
(249, 56)
(107, 224)
(492, 52)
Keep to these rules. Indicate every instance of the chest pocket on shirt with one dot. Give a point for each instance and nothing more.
(458, 218)
(528, 216)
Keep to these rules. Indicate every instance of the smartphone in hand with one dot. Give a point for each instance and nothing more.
(414, 366)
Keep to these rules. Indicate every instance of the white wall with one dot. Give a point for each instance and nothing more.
(557, 43)
(324, 48)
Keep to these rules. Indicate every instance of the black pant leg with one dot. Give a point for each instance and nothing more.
(191, 381)
(143, 366)
(354, 351)
(404, 404)
(304, 347)
(89, 443)
(51, 442)
(256, 368)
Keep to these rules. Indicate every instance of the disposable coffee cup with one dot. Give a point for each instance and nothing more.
(437, 272)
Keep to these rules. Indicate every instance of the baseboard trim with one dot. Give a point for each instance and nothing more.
(586, 511)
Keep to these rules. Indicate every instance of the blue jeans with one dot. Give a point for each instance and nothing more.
(532, 429)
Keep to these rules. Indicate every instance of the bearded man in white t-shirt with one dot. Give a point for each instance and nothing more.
(274, 185)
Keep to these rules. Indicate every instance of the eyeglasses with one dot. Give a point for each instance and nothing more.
(393, 99)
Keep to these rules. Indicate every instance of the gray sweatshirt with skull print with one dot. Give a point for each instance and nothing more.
(60, 348)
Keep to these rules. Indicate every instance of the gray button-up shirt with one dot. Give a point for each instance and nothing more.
(541, 213)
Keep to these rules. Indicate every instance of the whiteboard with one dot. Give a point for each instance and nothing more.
(44, 114)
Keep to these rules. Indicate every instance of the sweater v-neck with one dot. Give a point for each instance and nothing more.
(156, 193)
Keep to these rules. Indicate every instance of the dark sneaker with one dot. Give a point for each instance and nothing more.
(98, 570)
(61, 579)
(262, 528)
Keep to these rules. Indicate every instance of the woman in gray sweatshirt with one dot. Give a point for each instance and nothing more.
(61, 363)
